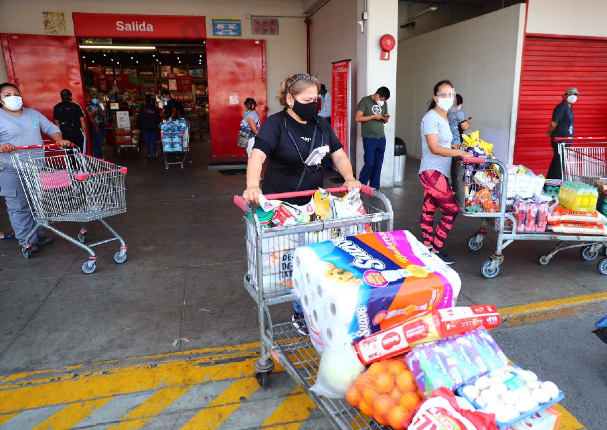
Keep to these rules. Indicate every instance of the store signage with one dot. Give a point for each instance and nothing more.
(105, 25)
(340, 102)
(227, 27)
(264, 26)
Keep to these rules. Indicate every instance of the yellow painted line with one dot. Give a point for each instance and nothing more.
(139, 378)
(152, 406)
(568, 421)
(71, 415)
(296, 407)
(223, 406)
(553, 309)
(6, 417)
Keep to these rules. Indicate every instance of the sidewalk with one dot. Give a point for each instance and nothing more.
(181, 287)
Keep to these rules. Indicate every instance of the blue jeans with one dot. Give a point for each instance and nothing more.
(149, 139)
(374, 158)
(97, 141)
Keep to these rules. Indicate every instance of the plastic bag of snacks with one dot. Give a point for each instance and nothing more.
(386, 392)
(442, 412)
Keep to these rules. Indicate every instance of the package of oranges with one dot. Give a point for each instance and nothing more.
(387, 392)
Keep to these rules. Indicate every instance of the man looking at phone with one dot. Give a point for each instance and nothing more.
(372, 113)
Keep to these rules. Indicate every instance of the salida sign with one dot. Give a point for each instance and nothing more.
(139, 26)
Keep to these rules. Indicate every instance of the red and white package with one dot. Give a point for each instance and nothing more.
(430, 326)
(575, 228)
(561, 215)
(442, 412)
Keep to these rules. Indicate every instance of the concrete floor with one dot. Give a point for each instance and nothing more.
(183, 276)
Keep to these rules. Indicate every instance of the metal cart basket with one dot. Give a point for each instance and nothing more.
(505, 223)
(175, 147)
(66, 185)
(268, 281)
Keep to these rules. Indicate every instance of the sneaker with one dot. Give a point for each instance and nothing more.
(299, 323)
(45, 241)
(447, 259)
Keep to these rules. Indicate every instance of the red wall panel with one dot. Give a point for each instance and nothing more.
(236, 71)
(550, 66)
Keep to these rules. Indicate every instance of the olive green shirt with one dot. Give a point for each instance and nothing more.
(368, 107)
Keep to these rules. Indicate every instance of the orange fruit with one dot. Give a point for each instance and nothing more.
(370, 394)
(397, 416)
(396, 367)
(384, 382)
(366, 407)
(383, 403)
(420, 394)
(353, 396)
(382, 420)
(376, 368)
(410, 400)
(363, 380)
(405, 382)
(396, 394)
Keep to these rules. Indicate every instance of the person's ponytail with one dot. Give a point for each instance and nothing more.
(282, 92)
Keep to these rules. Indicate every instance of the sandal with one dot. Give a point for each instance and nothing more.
(7, 236)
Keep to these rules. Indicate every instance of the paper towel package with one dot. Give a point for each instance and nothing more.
(355, 286)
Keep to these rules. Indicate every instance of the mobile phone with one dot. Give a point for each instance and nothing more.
(469, 118)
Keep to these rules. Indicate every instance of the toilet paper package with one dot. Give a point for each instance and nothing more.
(355, 286)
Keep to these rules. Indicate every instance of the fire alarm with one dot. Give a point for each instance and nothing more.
(387, 44)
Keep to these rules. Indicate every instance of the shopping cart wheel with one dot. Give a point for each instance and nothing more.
(27, 252)
(544, 260)
(263, 379)
(602, 266)
(119, 258)
(89, 268)
(82, 237)
(489, 272)
(474, 244)
(587, 254)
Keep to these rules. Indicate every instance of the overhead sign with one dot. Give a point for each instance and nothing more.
(227, 27)
(264, 26)
(341, 101)
(106, 25)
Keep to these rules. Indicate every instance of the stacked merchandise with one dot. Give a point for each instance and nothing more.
(381, 312)
(172, 133)
(277, 252)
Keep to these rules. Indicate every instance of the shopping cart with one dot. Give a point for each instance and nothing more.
(496, 215)
(175, 147)
(66, 185)
(268, 281)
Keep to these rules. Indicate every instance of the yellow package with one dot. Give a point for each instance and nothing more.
(322, 204)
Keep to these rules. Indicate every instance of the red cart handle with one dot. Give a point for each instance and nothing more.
(474, 160)
(241, 202)
(51, 146)
(580, 139)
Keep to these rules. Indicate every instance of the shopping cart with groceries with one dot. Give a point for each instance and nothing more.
(175, 142)
(269, 282)
(64, 185)
(481, 189)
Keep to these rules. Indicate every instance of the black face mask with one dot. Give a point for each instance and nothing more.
(306, 111)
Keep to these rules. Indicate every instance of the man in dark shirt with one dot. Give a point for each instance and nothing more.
(70, 119)
(561, 126)
(172, 108)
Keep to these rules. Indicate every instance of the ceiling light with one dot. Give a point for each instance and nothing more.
(117, 62)
(104, 55)
(92, 61)
(180, 62)
(137, 62)
(201, 55)
(153, 55)
(83, 56)
(131, 58)
(119, 47)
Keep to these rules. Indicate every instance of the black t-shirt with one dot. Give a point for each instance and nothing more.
(563, 116)
(285, 165)
(68, 114)
(168, 108)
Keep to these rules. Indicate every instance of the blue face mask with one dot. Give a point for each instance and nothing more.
(165, 100)
(95, 101)
(320, 96)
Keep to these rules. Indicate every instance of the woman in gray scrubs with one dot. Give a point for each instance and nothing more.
(20, 127)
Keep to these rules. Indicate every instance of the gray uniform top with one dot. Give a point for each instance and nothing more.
(433, 123)
(24, 130)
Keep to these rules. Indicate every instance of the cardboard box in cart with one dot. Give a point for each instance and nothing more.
(601, 184)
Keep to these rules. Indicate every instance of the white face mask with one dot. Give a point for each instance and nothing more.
(13, 103)
(445, 104)
(380, 103)
(572, 99)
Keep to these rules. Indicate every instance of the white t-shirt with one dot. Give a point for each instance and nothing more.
(433, 123)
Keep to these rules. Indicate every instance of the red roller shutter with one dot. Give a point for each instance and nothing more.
(550, 66)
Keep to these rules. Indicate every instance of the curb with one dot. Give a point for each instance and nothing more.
(554, 309)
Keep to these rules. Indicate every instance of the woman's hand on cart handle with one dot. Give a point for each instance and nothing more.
(251, 195)
(6, 147)
(64, 143)
(465, 154)
(351, 184)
